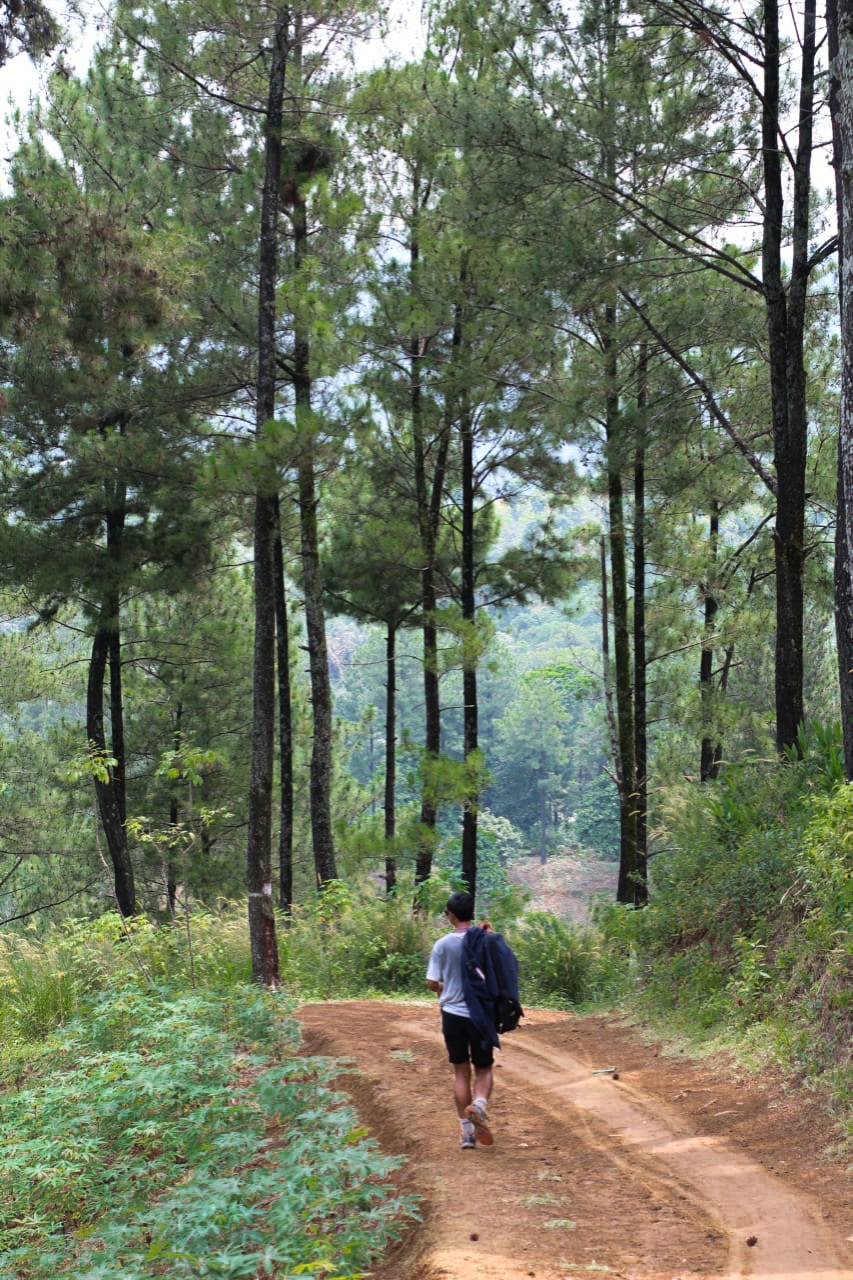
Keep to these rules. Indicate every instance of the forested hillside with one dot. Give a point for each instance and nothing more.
(420, 468)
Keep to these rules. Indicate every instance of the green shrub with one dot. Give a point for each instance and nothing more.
(747, 932)
(560, 964)
(816, 963)
(356, 942)
(43, 978)
(145, 1138)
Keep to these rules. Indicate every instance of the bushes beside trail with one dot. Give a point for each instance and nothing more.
(175, 1132)
(749, 930)
(746, 940)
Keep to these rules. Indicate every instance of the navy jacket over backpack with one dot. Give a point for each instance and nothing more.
(490, 983)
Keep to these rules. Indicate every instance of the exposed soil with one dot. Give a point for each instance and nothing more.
(666, 1169)
(567, 883)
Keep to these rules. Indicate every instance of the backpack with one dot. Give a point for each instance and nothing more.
(508, 1009)
(490, 983)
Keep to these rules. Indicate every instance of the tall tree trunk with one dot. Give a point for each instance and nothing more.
(641, 749)
(841, 108)
(109, 809)
(543, 822)
(285, 723)
(390, 756)
(786, 329)
(115, 491)
(432, 693)
(843, 574)
(628, 889)
(470, 656)
(119, 748)
(710, 748)
(612, 727)
(106, 650)
(428, 493)
(470, 745)
(262, 935)
(174, 814)
(432, 728)
(322, 838)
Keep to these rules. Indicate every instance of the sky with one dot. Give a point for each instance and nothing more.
(21, 81)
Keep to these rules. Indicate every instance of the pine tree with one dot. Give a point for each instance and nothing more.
(102, 437)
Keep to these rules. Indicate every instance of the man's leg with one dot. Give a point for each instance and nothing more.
(483, 1078)
(456, 1038)
(461, 1087)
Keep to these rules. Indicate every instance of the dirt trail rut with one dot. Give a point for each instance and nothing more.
(673, 1169)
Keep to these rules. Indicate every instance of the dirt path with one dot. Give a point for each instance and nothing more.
(672, 1169)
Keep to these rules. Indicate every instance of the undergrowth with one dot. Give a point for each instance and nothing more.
(564, 965)
(747, 935)
(350, 942)
(177, 1133)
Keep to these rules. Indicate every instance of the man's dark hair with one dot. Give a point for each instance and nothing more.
(461, 904)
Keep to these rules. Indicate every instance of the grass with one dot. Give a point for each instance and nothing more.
(177, 1129)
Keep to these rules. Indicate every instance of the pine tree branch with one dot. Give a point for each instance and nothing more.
(698, 381)
(47, 906)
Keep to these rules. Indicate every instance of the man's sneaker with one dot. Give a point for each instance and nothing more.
(468, 1142)
(477, 1116)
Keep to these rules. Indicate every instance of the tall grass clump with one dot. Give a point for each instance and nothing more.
(353, 942)
(45, 977)
(815, 963)
(563, 965)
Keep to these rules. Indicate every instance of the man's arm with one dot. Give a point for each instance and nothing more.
(433, 973)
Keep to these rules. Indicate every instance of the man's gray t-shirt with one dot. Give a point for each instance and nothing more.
(445, 965)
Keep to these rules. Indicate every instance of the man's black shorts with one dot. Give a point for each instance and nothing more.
(464, 1042)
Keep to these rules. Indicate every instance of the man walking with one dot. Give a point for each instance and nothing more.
(466, 1046)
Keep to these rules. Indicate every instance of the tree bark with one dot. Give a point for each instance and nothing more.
(285, 723)
(605, 666)
(628, 888)
(174, 815)
(710, 752)
(109, 808)
(641, 747)
(262, 935)
(428, 493)
(469, 663)
(543, 823)
(119, 746)
(786, 328)
(322, 838)
(840, 29)
(470, 658)
(390, 800)
(106, 650)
